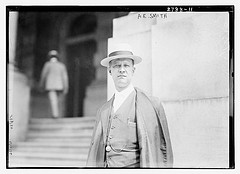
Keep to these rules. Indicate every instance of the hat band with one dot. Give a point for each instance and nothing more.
(116, 53)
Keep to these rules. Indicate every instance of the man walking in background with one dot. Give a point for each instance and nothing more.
(54, 80)
(131, 128)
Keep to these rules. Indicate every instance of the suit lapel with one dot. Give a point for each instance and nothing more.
(105, 115)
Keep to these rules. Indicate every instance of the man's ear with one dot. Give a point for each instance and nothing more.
(134, 69)
(110, 72)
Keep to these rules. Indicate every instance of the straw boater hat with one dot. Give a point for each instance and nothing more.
(119, 51)
(53, 53)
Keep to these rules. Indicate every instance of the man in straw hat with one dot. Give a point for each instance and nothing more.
(54, 80)
(131, 128)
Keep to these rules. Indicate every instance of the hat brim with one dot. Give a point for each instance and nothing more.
(136, 59)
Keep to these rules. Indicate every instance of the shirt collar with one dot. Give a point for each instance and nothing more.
(124, 93)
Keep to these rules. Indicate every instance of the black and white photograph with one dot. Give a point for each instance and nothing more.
(137, 87)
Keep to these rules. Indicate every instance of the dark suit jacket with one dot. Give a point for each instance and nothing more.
(153, 135)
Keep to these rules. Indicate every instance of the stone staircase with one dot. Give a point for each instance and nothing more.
(62, 142)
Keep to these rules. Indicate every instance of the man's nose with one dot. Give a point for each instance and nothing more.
(121, 69)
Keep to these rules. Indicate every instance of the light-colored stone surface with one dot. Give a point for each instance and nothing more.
(190, 57)
(199, 132)
(54, 142)
(132, 24)
(19, 94)
(13, 17)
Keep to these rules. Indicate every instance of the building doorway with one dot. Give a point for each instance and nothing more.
(80, 50)
(81, 72)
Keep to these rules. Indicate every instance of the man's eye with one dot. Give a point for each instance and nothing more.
(116, 66)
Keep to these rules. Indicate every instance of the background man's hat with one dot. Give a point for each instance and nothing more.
(53, 53)
(119, 51)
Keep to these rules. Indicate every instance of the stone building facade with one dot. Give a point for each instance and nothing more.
(81, 39)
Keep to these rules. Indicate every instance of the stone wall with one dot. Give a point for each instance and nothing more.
(199, 132)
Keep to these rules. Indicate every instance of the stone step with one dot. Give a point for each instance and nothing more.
(42, 162)
(58, 139)
(63, 126)
(48, 155)
(60, 133)
(81, 148)
(55, 144)
(67, 150)
(64, 134)
(44, 121)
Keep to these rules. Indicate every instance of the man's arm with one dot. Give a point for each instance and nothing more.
(65, 80)
(43, 76)
(166, 147)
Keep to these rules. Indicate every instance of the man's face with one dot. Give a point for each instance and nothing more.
(122, 71)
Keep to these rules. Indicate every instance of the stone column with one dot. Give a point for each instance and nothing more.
(185, 65)
(19, 90)
(13, 16)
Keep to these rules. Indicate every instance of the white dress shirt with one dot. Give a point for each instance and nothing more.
(120, 97)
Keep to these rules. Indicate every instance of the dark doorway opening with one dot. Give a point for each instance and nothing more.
(81, 72)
